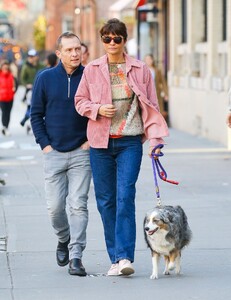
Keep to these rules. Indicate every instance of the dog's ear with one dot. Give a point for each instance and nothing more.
(167, 218)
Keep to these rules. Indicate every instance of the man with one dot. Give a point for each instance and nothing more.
(27, 76)
(51, 61)
(29, 70)
(61, 133)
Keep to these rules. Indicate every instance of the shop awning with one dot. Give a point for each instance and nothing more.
(120, 5)
(138, 3)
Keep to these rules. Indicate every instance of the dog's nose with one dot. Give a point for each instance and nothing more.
(146, 228)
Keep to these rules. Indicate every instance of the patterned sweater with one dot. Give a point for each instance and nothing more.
(127, 120)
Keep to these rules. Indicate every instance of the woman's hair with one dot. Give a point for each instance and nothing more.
(52, 59)
(152, 58)
(115, 27)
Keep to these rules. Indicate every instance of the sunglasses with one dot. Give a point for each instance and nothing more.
(108, 39)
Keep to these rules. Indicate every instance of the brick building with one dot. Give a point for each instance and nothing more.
(85, 17)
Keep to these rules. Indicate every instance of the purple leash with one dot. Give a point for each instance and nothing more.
(158, 168)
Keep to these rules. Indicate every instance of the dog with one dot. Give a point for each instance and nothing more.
(166, 232)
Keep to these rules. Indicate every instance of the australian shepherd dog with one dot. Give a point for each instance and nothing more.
(166, 232)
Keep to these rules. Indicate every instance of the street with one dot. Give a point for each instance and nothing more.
(28, 268)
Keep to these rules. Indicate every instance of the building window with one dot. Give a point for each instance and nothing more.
(67, 24)
(184, 21)
(224, 20)
(205, 13)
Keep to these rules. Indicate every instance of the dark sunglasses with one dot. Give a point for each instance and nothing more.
(108, 39)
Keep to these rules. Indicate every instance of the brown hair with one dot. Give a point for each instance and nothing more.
(67, 35)
(4, 62)
(115, 27)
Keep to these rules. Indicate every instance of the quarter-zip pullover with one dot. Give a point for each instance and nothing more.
(54, 119)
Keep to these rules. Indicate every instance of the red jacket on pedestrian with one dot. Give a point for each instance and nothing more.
(6, 86)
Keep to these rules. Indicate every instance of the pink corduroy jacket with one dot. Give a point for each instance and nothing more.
(94, 90)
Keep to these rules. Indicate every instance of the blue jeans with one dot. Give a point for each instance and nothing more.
(115, 172)
(67, 182)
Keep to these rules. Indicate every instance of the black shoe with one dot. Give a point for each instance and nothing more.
(28, 129)
(62, 253)
(76, 267)
(22, 123)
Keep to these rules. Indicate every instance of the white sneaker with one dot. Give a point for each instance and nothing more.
(125, 267)
(114, 270)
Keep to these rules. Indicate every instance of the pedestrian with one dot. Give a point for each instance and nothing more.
(85, 54)
(29, 70)
(61, 133)
(161, 85)
(228, 119)
(51, 61)
(7, 91)
(117, 94)
(27, 76)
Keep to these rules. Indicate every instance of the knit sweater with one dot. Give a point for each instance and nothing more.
(54, 119)
(127, 120)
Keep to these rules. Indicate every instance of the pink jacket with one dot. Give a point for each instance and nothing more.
(95, 89)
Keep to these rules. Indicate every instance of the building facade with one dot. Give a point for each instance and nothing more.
(191, 43)
(199, 73)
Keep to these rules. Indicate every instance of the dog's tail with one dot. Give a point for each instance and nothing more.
(187, 235)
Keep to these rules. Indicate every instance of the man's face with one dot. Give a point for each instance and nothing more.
(70, 53)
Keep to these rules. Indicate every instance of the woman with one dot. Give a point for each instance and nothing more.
(7, 90)
(161, 85)
(117, 94)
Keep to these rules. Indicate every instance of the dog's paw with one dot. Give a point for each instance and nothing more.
(166, 273)
(154, 276)
(171, 266)
(178, 271)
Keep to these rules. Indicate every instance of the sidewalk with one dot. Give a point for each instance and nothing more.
(28, 269)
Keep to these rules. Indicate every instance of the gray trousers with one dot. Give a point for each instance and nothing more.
(67, 183)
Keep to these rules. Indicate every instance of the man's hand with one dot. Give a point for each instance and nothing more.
(228, 120)
(47, 149)
(107, 110)
(29, 86)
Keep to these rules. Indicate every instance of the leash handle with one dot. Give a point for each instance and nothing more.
(158, 168)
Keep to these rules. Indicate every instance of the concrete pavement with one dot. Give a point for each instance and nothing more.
(28, 268)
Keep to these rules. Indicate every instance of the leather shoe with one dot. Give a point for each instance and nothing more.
(76, 267)
(62, 253)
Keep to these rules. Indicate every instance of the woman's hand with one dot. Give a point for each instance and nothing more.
(157, 151)
(107, 110)
(85, 146)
